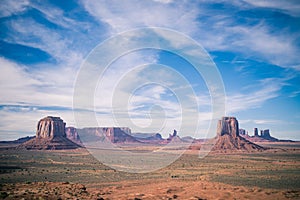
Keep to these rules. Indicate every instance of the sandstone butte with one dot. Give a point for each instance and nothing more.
(228, 137)
(50, 135)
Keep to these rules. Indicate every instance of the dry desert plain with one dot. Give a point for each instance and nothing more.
(76, 174)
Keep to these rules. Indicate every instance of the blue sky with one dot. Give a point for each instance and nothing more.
(255, 45)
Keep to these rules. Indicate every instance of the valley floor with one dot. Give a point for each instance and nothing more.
(75, 174)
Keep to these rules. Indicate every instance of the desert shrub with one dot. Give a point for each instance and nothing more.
(3, 195)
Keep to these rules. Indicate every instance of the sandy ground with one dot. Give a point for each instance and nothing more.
(174, 189)
(146, 189)
(193, 178)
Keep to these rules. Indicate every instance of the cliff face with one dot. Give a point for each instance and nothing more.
(229, 126)
(265, 133)
(49, 127)
(118, 135)
(72, 134)
(50, 134)
(228, 137)
(255, 132)
(113, 134)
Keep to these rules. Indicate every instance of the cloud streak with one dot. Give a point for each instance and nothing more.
(30, 91)
(289, 7)
(269, 89)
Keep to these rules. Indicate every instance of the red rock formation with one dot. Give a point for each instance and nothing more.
(242, 131)
(49, 127)
(112, 134)
(174, 137)
(228, 125)
(228, 137)
(50, 134)
(255, 132)
(264, 136)
(72, 134)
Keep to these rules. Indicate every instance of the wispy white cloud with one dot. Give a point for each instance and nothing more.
(39, 36)
(276, 48)
(44, 88)
(144, 14)
(262, 121)
(268, 89)
(55, 15)
(291, 7)
(217, 31)
(24, 95)
(260, 41)
(267, 122)
(294, 94)
(11, 7)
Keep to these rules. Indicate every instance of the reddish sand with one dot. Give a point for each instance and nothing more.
(146, 189)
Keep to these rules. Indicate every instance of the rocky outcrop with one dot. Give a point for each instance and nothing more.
(255, 132)
(264, 136)
(228, 126)
(126, 130)
(49, 127)
(118, 135)
(50, 135)
(174, 137)
(242, 131)
(112, 134)
(265, 133)
(157, 136)
(72, 134)
(150, 138)
(228, 137)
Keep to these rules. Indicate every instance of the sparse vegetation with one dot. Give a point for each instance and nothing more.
(264, 170)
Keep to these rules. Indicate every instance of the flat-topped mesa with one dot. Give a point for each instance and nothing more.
(112, 134)
(50, 135)
(50, 127)
(229, 126)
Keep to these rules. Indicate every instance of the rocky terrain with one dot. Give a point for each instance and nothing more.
(228, 137)
(76, 174)
(148, 190)
(264, 136)
(50, 134)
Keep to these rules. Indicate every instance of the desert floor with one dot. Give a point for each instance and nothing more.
(76, 174)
